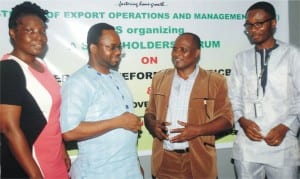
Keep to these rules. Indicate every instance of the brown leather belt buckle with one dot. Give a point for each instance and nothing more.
(181, 151)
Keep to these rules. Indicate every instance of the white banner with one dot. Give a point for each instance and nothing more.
(147, 30)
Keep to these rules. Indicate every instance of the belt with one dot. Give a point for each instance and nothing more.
(181, 151)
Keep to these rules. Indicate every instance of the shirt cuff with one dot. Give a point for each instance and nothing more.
(292, 123)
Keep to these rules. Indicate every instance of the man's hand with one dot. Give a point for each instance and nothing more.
(156, 128)
(186, 133)
(251, 129)
(131, 122)
(159, 129)
(276, 135)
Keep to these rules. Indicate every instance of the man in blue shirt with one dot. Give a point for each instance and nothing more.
(97, 111)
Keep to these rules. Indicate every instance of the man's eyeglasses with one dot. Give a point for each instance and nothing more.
(257, 25)
(112, 47)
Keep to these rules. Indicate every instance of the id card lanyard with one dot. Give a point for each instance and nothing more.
(263, 68)
(258, 106)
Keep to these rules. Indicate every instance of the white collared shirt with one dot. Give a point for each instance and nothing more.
(178, 106)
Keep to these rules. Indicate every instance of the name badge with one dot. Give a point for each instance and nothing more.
(258, 109)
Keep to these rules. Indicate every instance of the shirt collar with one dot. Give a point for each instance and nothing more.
(191, 76)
